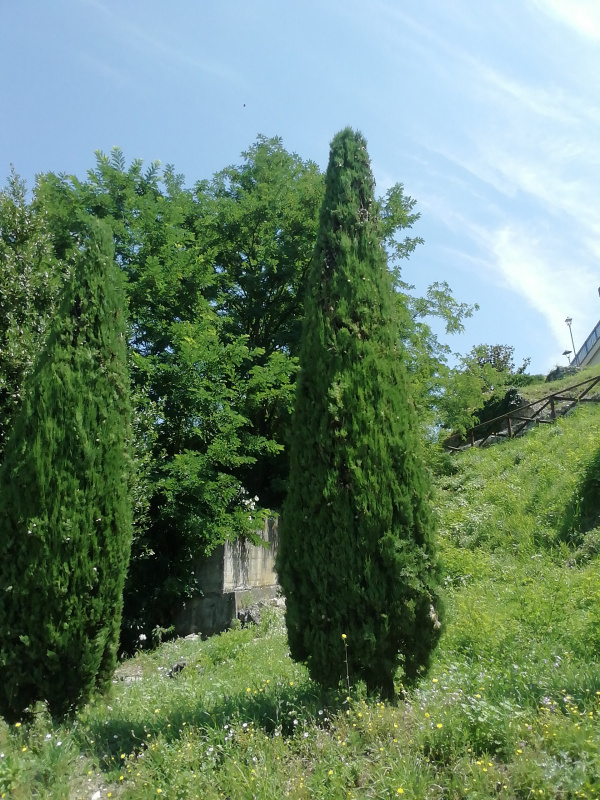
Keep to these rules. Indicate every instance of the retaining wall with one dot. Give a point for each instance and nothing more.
(235, 576)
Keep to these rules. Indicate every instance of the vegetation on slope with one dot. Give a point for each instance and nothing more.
(510, 708)
(540, 388)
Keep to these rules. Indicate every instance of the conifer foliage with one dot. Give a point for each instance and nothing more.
(357, 556)
(65, 521)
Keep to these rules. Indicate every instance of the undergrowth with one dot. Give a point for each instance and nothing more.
(510, 707)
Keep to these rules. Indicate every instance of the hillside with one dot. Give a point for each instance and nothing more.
(531, 400)
(541, 388)
(510, 708)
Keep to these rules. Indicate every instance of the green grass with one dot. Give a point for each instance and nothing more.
(535, 391)
(510, 708)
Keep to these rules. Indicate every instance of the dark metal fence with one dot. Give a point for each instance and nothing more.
(543, 411)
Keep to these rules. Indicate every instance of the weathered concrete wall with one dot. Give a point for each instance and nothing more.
(249, 567)
(235, 576)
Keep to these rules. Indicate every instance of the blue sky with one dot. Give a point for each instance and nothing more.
(488, 113)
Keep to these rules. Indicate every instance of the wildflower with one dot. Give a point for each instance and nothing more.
(343, 636)
(17, 724)
(439, 725)
(400, 790)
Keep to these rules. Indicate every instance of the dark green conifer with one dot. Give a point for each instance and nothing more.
(65, 520)
(357, 555)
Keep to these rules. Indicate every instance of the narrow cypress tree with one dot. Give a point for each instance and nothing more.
(357, 555)
(65, 522)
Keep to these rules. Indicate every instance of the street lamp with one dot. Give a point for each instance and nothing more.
(569, 320)
(567, 353)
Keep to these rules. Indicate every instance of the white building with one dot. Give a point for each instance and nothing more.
(589, 354)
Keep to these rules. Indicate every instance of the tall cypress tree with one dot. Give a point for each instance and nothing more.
(357, 555)
(65, 521)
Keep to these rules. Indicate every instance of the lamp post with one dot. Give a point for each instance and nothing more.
(567, 353)
(569, 320)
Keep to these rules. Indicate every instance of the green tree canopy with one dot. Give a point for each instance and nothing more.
(30, 280)
(216, 280)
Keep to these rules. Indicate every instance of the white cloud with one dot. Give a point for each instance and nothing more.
(533, 145)
(534, 269)
(528, 128)
(554, 277)
(552, 104)
(549, 282)
(539, 177)
(581, 15)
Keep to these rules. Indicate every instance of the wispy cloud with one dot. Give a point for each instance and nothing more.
(581, 15)
(535, 149)
(552, 268)
(545, 277)
(151, 44)
(553, 105)
(154, 46)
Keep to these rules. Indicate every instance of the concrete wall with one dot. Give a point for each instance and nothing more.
(235, 576)
(246, 566)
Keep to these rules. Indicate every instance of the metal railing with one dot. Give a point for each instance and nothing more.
(545, 410)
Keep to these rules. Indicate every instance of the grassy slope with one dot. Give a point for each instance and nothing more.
(536, 391)
(510, 708)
